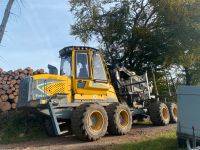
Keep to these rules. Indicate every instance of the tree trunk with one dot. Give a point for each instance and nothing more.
(187, 76)
(5, 19)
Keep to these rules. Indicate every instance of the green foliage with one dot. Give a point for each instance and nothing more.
(180, 19)
(190, 62)
(20, 126)
(142, 33)
(123, 28)
(164, 142)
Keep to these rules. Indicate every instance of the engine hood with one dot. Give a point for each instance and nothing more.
(43, 86)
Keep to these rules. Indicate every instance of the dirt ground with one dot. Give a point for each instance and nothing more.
(138, 133)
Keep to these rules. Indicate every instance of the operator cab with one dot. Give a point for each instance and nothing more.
(88, 63)
(85, 67)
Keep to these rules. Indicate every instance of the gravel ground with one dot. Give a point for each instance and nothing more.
(138, 133)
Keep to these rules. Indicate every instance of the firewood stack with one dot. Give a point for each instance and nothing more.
(9, 86)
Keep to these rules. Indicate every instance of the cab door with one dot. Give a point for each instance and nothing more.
(90, 76)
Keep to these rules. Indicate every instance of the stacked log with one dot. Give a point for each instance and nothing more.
(9, 86)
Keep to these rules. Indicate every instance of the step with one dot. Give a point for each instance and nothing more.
(58, 114)
(60, 123)
(63, 132)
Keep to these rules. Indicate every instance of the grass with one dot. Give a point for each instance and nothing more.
(164, 142)
(144, 122)
(18, 126)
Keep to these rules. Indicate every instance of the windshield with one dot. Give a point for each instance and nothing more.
(65, 68)
(99, 70)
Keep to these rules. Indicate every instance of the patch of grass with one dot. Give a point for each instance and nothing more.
(145, 122)
(18, 126)
(164, 142)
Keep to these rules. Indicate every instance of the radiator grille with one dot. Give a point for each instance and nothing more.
(55, 88)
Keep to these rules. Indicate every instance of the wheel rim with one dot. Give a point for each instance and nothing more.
(96, 121)
(165, 113)
(174, 111)
(123, 118)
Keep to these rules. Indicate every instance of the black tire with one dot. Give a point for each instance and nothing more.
(173, 112)
(49, 128)
(159, 113)
(116, 126)
(83, 116)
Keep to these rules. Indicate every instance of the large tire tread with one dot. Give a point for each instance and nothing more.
(155, 114)
(78, 122)
(173, 117)
(113, 127)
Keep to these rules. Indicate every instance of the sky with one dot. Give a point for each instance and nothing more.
(36, 31)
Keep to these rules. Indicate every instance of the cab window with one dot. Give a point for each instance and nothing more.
(66, 65)
(82, 65)
(99, 70)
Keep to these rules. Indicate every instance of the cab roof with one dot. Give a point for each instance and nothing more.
(68, 49)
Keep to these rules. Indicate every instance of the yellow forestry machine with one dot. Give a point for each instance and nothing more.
(88, 100)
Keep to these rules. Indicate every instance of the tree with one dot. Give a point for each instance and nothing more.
(189, 61)
(126, 29)
(140, 33)
(181, 24)
(5, 19)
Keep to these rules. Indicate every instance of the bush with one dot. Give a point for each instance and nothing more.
(16, 126)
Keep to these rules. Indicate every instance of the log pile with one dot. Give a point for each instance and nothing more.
(9, 86)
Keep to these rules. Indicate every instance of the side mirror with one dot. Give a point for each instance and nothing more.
(52, 70)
